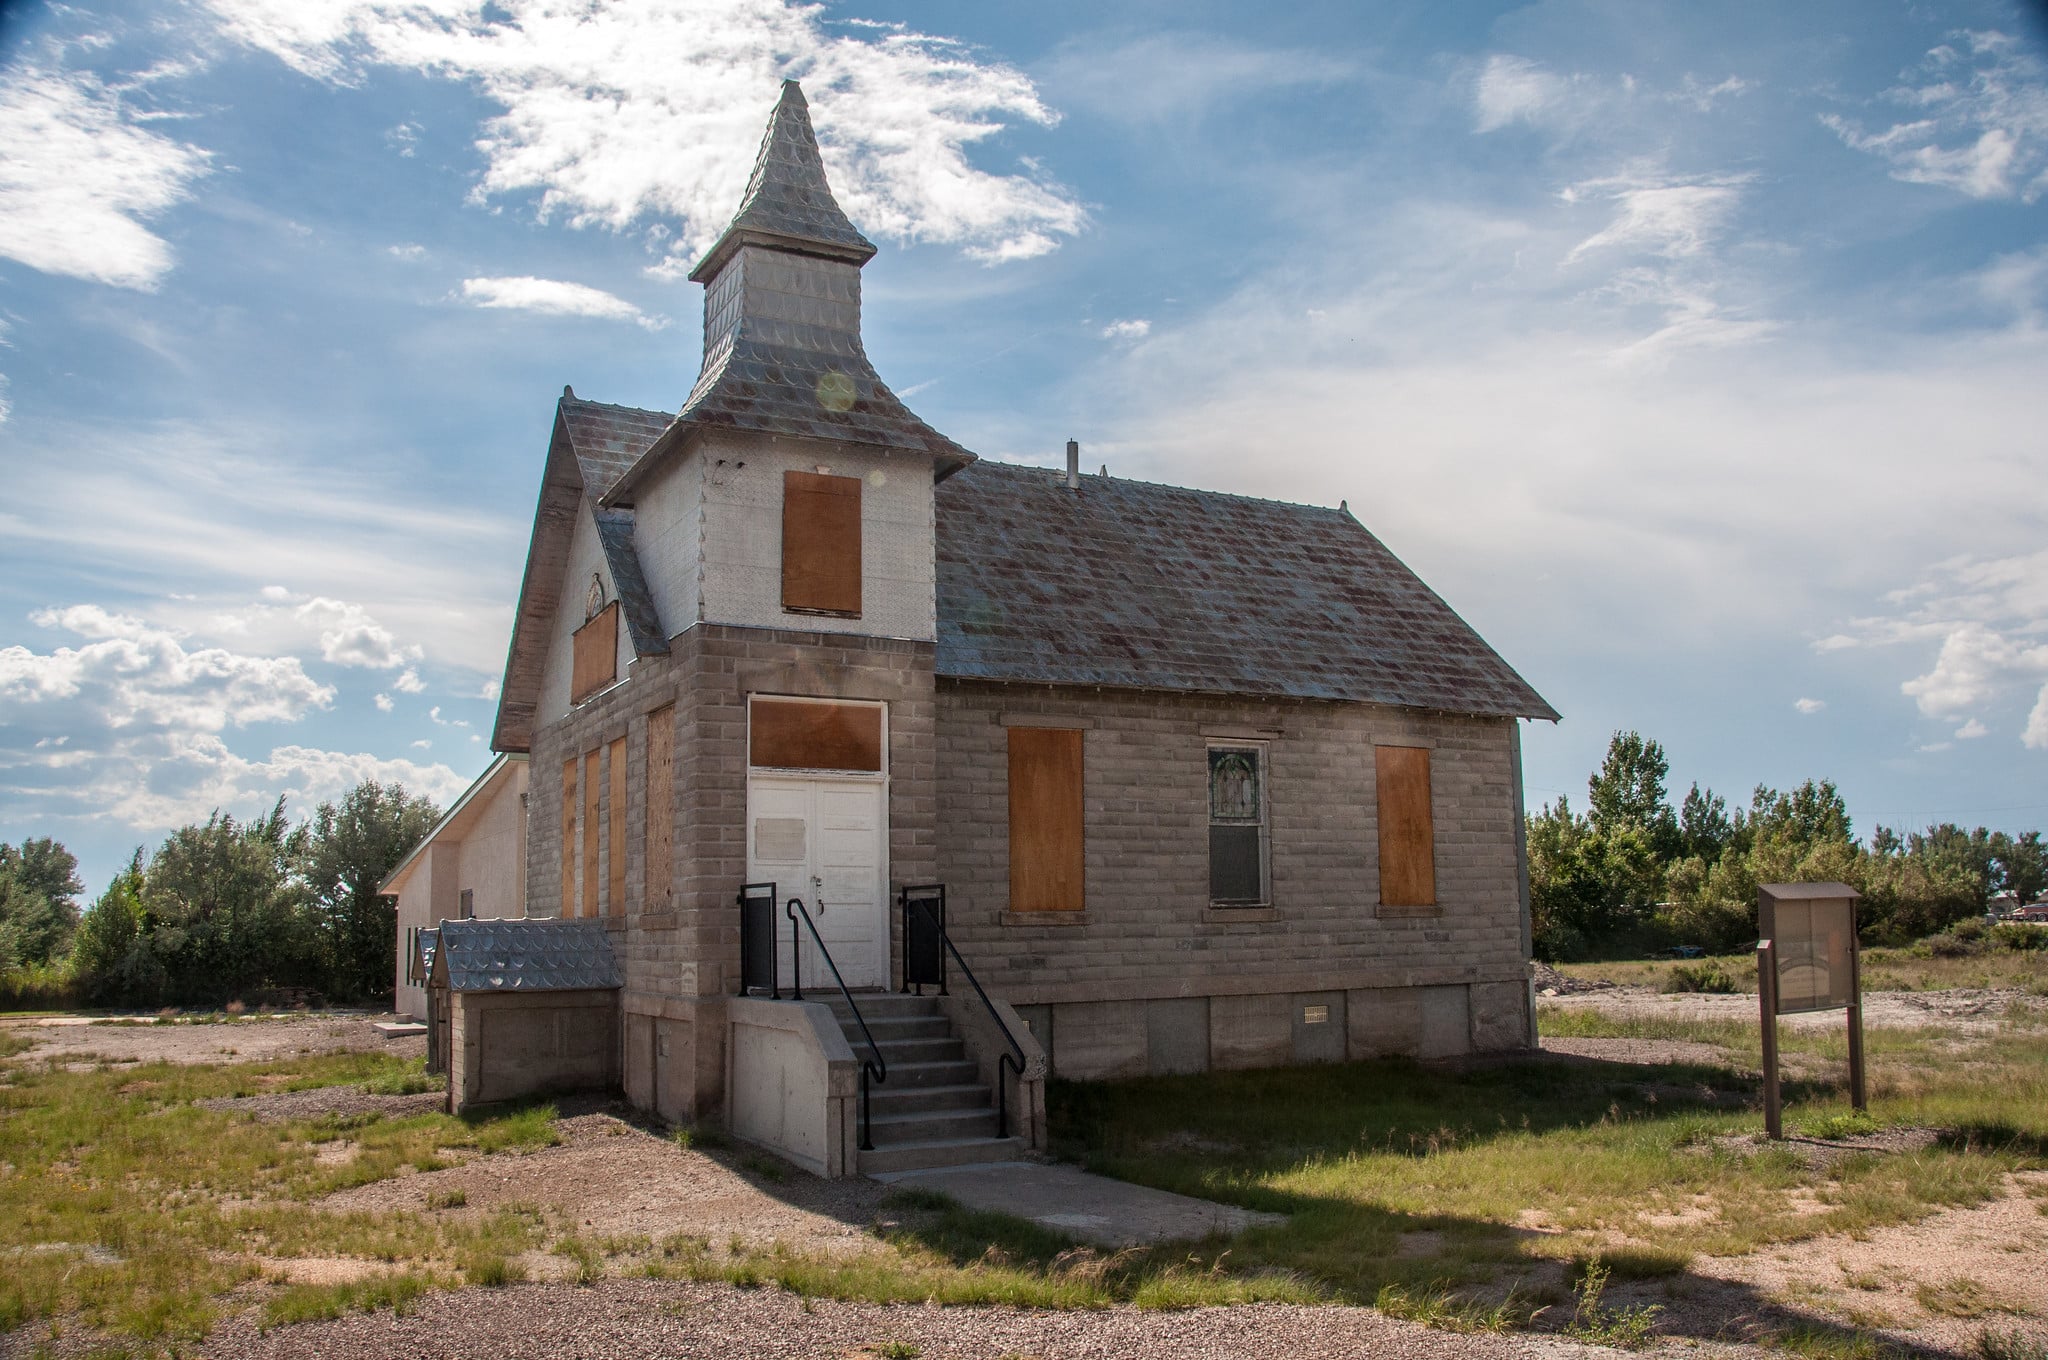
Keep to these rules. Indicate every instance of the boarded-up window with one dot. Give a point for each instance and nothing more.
(615, 825)
(1407, 833)
(799, 734)
(661, 806)
(596, 660)
(1045, 820)
(593, 785)
(569, 836)
(820, 544)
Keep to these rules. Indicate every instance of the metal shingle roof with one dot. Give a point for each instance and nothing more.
(528, 956)
(1142, 586)
(606, 440)
(788, 196)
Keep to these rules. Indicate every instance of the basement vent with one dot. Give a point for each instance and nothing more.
(1315, 1015)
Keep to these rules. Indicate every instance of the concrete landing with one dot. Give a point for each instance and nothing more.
(395, 1029)
(1096, 1209)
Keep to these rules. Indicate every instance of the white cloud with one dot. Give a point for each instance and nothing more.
(2036, 736)
(346, 632)
(408, 252)
(423, 745)
(79, 177)
(553, 297)
(1127, 330)
(404, 139)
(1516, 90)
(409, 683)
(129, 727)
(439, 721)
(620, 113)
(1172, 79)
(1672, 218)
(1971, 730)
(1977, 120)
(1810, 705)
(488, 690)
(384, 703)
(133, 676)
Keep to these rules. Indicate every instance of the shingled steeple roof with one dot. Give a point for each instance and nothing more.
(782, 344)
(788, 202)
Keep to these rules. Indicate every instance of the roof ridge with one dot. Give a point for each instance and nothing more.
(988, 462)
(616, 406)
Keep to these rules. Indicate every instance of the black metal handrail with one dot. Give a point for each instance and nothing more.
(879, 1066)
(1013, 1060)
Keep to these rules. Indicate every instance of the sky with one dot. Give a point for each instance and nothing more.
(1695, 353)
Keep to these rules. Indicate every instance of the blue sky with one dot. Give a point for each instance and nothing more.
(1695, 353)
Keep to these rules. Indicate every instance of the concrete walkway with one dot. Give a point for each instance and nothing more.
(1096, 1209)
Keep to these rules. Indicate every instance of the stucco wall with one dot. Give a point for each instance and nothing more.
(668, 538)
(483, 850)
(742, 527)
(586, 556)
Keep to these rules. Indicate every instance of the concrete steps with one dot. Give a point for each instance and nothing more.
(934, 1110)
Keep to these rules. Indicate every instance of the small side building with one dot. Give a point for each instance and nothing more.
(472, 865)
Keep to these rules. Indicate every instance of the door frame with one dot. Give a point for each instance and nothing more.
(880, 779)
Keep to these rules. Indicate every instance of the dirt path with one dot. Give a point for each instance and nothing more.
(250, 1038)
(1967, 1011)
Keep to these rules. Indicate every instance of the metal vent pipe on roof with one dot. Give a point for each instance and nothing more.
(1073, 465)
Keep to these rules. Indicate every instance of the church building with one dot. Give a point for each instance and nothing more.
(1206, 781)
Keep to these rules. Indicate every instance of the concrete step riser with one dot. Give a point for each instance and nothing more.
(896, 1051)
(889, 1102)
(909, 1076)
(924, 1156)
(933, 1128)
(885, 1031)
(874, 1008)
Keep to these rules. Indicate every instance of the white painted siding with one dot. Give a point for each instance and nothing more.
(742, 535)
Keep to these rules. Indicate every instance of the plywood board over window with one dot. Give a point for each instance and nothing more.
(660, 805)
(1046, 817)
(1407, 829)
(821, 544)
(615, 825)
(595, 662)
(593, 785)
(801, 734)
(569, 768)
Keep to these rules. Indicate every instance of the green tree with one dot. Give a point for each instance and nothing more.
(1704, 828)
(1627, 793)
(2020, 864)
(39, 889)
(343, 855)
(112, 959)
(221, 909)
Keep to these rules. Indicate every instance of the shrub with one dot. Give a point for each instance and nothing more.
(2017, 935)
(1699, 977)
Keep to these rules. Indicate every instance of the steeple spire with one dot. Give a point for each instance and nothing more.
(788, 203)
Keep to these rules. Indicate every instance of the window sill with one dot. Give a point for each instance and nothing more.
(1387, 913)
(1044, 918)
(821, 613)
(1229, 916)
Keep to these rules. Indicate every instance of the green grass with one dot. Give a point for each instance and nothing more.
(1885, 969)
(1630, 1168)
(132, 1208)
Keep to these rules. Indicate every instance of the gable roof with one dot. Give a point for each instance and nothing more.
(455, 822)
(1143, 586)
(593, 444)
(518, 955)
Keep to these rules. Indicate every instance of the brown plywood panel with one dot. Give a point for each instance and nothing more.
(596, 660)
(796, 735)
(661, 746)
(569, 837)
(1407, 830)
(592, 787)
(820, 543)
(615, 826)
(1046, 813)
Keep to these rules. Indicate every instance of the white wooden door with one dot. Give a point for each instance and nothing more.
(825, 840)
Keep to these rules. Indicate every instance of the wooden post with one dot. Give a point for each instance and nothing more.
(1767, 1002)
(1859, 1094)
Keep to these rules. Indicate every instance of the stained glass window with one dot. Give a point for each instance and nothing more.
(1237, 826)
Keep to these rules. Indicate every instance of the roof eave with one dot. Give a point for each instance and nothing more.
(736, 237)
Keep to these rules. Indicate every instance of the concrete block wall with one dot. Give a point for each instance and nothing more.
(504, 1045)
(683, 962)
(1322, 973)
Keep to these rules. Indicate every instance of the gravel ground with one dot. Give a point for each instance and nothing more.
(341, 1101)
(613, 1178)
(627, 1319)
(1972, 1011)
(76, 1040)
